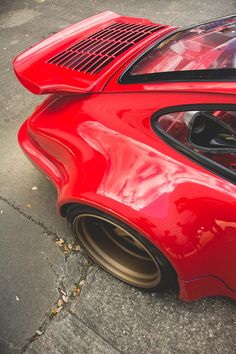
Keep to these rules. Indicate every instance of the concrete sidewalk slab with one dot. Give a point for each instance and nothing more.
(67, 334)
(130, 321)
(137, 322)
(31, 267)
(17, 178)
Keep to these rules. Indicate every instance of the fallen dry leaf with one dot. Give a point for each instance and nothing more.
(54, 311)
(77, 248)
(63, 292)
(59, 309)
(66, 249)
(76, 291)
(60, 303)
(65, 298)
(60, 242)
(70, 246)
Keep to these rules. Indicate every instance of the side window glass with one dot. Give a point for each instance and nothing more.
(210, 134)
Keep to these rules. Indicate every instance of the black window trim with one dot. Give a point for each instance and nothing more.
(203, 161)
(220, 75)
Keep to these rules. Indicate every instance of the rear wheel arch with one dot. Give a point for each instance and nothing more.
(69, 210)
(64, 207)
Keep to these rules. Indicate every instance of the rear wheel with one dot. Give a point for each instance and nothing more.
(119, 249)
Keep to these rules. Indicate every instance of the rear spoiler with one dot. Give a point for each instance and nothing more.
(71, 61)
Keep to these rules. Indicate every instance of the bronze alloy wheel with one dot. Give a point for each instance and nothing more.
(119, 249)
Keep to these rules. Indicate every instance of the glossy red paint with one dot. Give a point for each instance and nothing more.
(99, 149)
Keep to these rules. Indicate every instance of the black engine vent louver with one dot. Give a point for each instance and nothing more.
(93, 53)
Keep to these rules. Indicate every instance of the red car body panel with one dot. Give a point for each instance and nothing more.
(99, 149)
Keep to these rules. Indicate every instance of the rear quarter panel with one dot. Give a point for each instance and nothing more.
(114, 161)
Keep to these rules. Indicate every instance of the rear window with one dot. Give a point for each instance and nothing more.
(209, 47)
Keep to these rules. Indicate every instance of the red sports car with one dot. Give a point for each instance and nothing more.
(138, 135)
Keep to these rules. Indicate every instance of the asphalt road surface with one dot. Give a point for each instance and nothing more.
(98, 314)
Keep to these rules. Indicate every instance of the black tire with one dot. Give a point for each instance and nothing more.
(78, 215)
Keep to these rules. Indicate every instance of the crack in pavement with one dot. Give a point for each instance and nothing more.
(95, 332)
(48, 315)
(13, 205)
(60, 278)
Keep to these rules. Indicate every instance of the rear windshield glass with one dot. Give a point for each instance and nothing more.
(208, 46)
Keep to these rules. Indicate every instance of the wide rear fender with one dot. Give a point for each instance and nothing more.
(187, 212)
